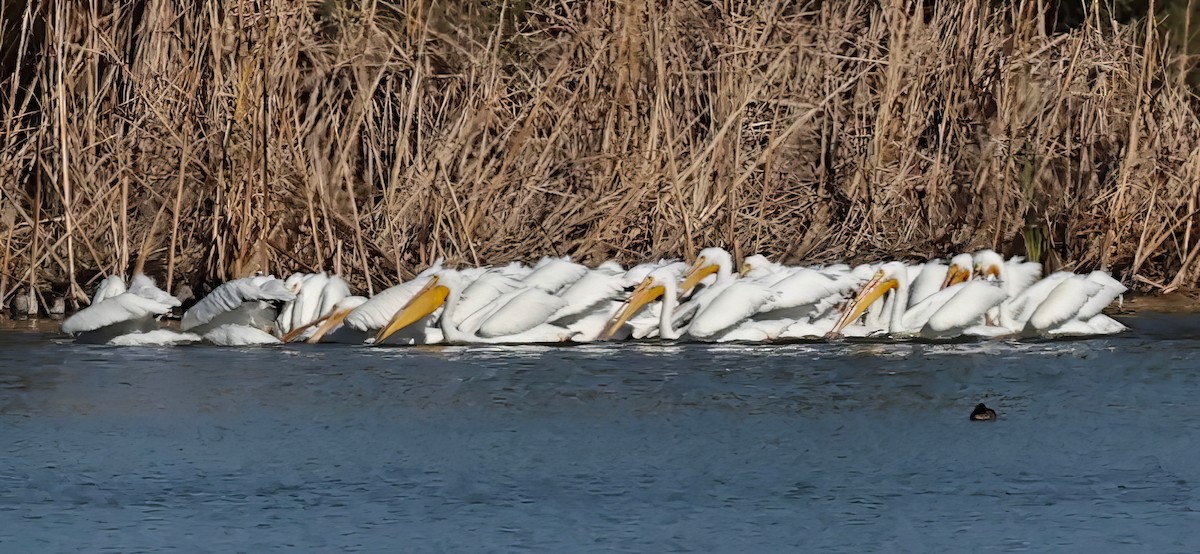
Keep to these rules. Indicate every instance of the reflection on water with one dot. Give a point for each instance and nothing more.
(851, 446)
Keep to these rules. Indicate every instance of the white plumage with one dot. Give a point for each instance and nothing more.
(239, 335)
(157, 337)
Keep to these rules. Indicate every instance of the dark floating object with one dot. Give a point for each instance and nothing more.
(983, 413)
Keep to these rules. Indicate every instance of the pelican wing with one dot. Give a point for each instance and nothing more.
(1020, 275)
(966, 308)
(734, 304)
(231, 295)
(144, 287)
(1063, 303)
(552, 274)
(526, 310)
(110, 287)
(307, 305)
(482, 293)
(159, 337)
(1016, 311)
(918, 314)
(803, 288)
(590, 290)
(1110, 290)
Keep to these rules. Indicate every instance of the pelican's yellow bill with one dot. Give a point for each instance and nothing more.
(291, 335)
(645, 293)
(873, 291)
(697, 273)
(955, 275)
(334, 319)
(422, 304)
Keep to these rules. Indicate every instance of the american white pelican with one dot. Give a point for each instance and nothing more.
(519, 316)
(1062, 303)
(331, 323)
(960, 269)
(250, 301)
(364, 321)
(588, 303)
(708, 262)
(316, 296)
(658, 284)
(639, 272)
(1014, 276)
(946, 313)
(120, 312)
(110, 287)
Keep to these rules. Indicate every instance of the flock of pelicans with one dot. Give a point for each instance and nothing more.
(557, 300)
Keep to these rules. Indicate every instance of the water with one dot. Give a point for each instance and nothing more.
(834, 447)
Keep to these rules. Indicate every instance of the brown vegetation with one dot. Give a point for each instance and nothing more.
(213, 139)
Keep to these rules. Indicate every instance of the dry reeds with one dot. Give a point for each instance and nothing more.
(210, 139)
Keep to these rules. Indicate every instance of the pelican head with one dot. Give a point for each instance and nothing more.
(295, 282)
(958, 271)
(988, 265)
(427, 300)
(710, 260)
(650, 289)
(887, 278)
(754, 264)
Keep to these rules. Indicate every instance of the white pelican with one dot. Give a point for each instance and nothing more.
(945, 313)
(156, 337)
(814, 321)
(365, 320)
(331, 323)
(519, 316)
(250, 302)
(117, 315)
(316, 296)
(590, 302)
(659, 283)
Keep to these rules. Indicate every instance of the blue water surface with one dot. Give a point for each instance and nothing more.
(849, 446)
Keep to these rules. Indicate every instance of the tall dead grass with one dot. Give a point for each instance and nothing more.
(208, 140)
